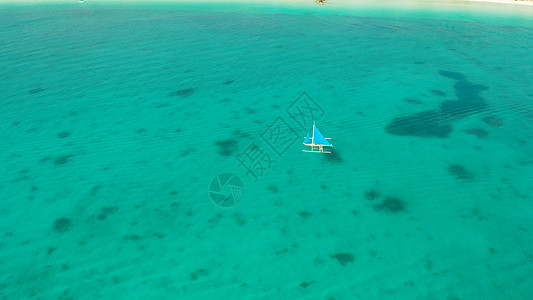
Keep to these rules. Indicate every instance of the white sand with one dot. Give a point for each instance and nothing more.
(520, 2)
(343, 3)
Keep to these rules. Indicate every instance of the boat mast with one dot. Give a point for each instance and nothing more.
(313, 136)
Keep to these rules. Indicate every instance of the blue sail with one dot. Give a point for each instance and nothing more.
(319, 139)
(307, 139)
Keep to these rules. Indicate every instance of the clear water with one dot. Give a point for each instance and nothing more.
(115, 120)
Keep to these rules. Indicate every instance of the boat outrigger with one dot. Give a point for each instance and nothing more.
(316, 141)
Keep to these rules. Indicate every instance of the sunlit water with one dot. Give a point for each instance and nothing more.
(115, 121)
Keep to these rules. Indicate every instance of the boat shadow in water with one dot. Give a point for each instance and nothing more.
(333, 157)
(438, 122)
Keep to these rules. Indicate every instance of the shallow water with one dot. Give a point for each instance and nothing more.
(116, 121)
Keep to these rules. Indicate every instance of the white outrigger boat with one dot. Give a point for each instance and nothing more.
(316, 141)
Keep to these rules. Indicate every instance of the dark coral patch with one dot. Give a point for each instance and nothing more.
(305, 214)
(62, 225)
(241, 134)
(412, 101)
(228, 82)
(105, 211)
(452, 75)
(239, 218)
(480, 133)
(460, 172)
(371, 194)
(272, 188)
(461, 109)
(343, 258)
(132, 237)
(469, 100)
(62, 159)
(425, 124)
(437, 92)
(227, 147)
(94, 190)
(63, 134)
(182, 93)
(198, 273)
(467, 91)
(493, 121)
(437, 123)
(35, 91)
(390, 205)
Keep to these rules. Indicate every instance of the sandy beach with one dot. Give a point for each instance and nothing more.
(342, 3)
(520, 2)
(477, 9)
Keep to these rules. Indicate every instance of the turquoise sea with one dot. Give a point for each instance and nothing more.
(155, 152)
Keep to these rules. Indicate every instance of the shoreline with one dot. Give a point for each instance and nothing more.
(458, 10)
(341, 3)
(519, 2)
